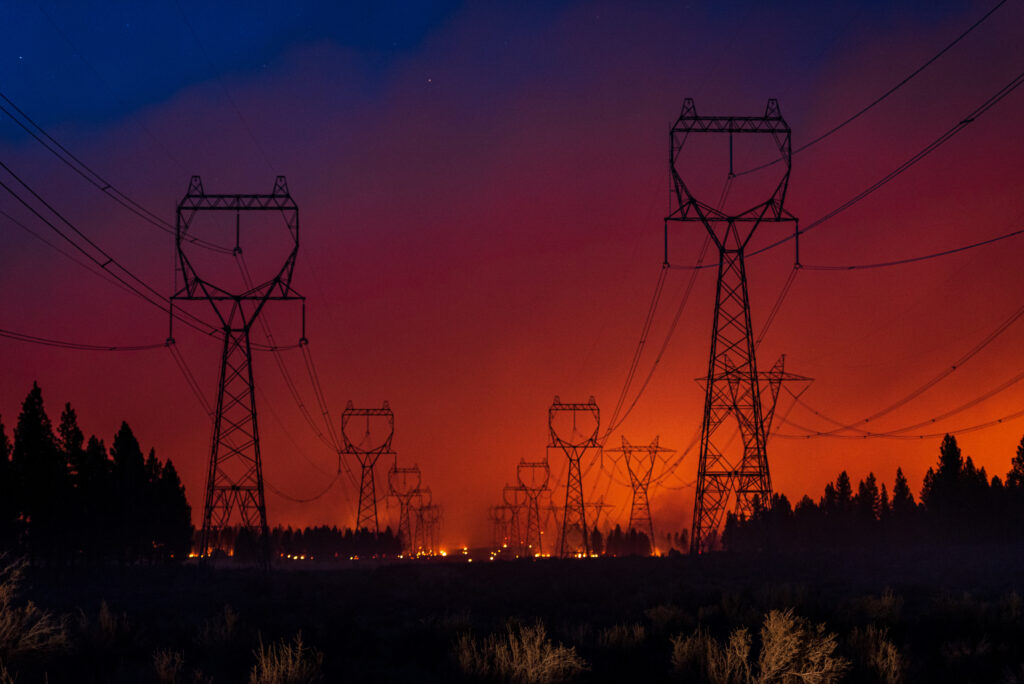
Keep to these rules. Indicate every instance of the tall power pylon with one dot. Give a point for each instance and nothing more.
(378, 431)
(404, 485)
(640, 461)
(731, 387)
(574, 440)
(533, 477)
(235, 478)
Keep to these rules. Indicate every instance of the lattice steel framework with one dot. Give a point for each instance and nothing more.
(404, 484)
(421, 501)
(574, 539)
(533, 477)
(235, 477)
(368, 450)
(731, 387)
(640, 460)
(515, 498)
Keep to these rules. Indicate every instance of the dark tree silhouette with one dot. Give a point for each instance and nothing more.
(132, 512)
(1015, 478)
(8, 487)
(41, 470)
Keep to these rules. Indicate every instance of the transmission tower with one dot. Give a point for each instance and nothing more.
(574, 441)
(533, 478)
(369, 447)
(515, 498)
(234, 481)
(424, 499)
(404, 484)
(431, 517)
(731, 387)
(640, 466)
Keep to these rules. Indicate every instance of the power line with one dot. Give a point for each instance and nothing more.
(921, 389)
(883, 96)
(913, 260)
(62, 344)
(92, 177)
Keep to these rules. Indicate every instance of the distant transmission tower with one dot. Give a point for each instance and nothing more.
(234, 482)
(640, 461)
(368, 448)
(404, 484)
(731, 387)
(515, 498)
(424, 500)
(533, 478)
(574, 441)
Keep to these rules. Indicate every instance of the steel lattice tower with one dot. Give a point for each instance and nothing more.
(574, 539)
(404, 484)
(640, 469)
(533, 478)
(731, 387)
(368, 449)
(424, 499)
(515, 498)
(235, 477)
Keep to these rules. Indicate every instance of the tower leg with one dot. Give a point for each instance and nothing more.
(574, 523)
(235, 476)
(366, 517)
(731, 389)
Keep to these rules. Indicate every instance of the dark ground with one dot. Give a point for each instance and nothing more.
(955, 614)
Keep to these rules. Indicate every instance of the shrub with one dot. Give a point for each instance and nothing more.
(878, 653)
(25, 628)
(220, 629)
(622, 636)
(792, 651)
(284, 663)
(523, 654)
(168, 666)
(700, 656)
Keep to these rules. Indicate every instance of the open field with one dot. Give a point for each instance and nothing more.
(954, 614)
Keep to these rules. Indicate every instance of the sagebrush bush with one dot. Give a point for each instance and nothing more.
(286, 663)
(878, 653)
(218, 630)
(168, 666)
(791, 651)
(622, 636)
(523, 655)
(24, 628)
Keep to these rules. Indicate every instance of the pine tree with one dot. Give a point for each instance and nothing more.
(8, 485)
(175, 515)
(903, 505)
(130, 487)
(1015, 478)
(43, 481)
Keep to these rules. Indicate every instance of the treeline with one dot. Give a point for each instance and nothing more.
(619, 543)
(68, 500)
(318, 544)
(958, 503)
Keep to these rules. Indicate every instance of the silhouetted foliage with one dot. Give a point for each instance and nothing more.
(959, 504)
(65, 501)
(632, 543)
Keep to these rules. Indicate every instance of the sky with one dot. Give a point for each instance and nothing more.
(482, 189)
